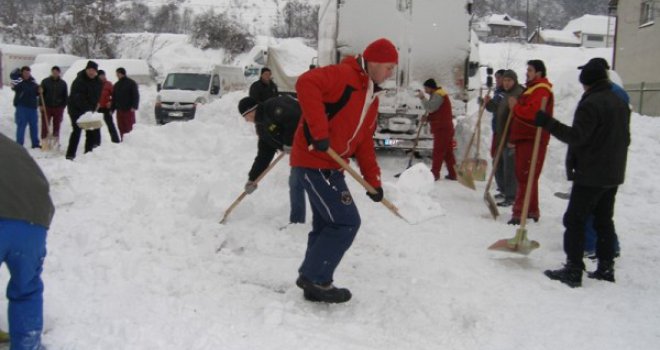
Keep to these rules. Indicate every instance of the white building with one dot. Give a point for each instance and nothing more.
(497, 27)
(554, 37)
(593, 31)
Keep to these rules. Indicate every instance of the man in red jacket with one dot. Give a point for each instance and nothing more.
(339, 108)
(522, 136)
(104, 106)
(440, 117)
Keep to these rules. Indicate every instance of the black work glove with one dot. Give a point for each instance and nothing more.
(378, 196)
(250, 187)
(542, 119)
(321, 145)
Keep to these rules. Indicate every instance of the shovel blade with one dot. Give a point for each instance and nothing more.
(492, 206)
(465, 178)
(480, 169)
(518, 244)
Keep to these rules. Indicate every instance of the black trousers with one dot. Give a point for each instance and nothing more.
(110, 123)
(584, 202)
(92, 138)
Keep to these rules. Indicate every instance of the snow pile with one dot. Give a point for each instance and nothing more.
(412, 194)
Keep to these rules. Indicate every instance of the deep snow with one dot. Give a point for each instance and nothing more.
(137, 259)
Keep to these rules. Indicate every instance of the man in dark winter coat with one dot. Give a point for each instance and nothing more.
(55, 92)
(597, 147)
(505, 174)
(26, 212)
(84, 97)
(340, 105)
(25, 100)
(125, 100)
(276, 121)
(264, 88)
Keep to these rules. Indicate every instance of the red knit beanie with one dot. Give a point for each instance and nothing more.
(381, 51)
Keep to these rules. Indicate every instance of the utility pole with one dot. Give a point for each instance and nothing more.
(527, 21)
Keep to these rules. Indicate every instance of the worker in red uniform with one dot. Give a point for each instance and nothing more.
(438, 107)
(522, 136)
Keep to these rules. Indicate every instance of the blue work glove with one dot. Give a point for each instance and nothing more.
(378, 196)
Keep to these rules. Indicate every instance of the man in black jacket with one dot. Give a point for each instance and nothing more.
(125, 100)
(264, 88)
(84, 97)
(276, 121)
(55, 92)
(598, 148)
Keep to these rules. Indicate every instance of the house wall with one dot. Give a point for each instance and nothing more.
(636, 54)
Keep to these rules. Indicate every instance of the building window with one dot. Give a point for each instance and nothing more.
(647, 16)
(595, 38)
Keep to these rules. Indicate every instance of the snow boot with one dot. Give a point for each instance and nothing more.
(505, 203)
(326, 293)
(570, 274)
(604, 272)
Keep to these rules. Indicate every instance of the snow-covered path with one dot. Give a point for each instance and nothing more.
(137, 259)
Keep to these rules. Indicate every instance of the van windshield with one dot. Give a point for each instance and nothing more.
(187, 81)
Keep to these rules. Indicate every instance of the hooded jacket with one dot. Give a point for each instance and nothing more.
(339, 103)
(522, 125)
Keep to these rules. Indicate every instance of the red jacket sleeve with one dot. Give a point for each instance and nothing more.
(528, 105)
(365, 152)
(312, 87)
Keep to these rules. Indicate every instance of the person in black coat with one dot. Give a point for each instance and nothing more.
(84, 97)
(264, 88)
(275, 121)
(125, 100)
(55, 92)
(598, 144)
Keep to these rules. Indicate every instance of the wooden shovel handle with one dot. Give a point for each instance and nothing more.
(337, 158)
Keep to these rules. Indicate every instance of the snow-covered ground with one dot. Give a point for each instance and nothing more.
(137, 259)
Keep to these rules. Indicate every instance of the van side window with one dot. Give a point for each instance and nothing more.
(215, 85)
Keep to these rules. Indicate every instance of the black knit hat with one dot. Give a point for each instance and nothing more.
(593, 72)
(430, 83)
(247, 105)
(92, 64)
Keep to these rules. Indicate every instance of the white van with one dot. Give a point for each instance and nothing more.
(186, 87)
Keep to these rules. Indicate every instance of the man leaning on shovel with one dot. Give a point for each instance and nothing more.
(339, 107)
(598, 144)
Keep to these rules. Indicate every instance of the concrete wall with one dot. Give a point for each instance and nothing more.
(637, 52)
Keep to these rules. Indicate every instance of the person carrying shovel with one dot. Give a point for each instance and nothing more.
(438, 107)
(522, 136)
(339, 108)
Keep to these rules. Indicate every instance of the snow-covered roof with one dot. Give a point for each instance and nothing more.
(25, 50)
(591, 24)
(503, 20)
(559, 37)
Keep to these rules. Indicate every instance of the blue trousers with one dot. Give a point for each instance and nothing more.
(26, 116)
(23, 249)
(591, 237)
(297, 198)
(335, 222)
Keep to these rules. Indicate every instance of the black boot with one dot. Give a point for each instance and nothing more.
(322, 293)
(570, 274)
(604, 272)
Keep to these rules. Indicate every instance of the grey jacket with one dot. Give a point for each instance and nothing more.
(502, 112)
(23, 187)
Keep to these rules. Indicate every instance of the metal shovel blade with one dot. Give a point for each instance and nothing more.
(492, 206)
(465, 178)
(518, 244)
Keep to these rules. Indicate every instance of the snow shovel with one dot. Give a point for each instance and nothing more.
(48, 141)
(519, 243)
(464, 171)
(480, 166)
(240, 198)
(488, 198)
(414, 147)
(363, 182)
